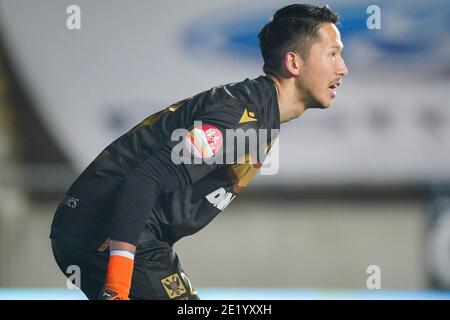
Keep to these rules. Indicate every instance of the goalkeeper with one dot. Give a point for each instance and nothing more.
(120, 218)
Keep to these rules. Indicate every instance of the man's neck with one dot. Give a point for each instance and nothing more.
(289, 101)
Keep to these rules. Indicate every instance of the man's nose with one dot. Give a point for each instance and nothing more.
(342, 68)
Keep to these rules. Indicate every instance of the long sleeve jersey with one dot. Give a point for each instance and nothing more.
(174, 171)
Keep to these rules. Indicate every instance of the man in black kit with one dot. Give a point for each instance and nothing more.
(121, 217)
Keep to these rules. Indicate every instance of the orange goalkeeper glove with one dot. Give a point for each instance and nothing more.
(118, 278)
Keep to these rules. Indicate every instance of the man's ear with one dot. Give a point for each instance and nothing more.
(293, 63)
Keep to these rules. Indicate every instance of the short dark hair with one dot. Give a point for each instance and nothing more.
(291, 28)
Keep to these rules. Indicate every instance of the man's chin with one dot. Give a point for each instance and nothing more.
(328, 105)
(315, 103)
(321, 105)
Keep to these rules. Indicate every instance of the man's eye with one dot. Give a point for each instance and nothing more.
(333, 54)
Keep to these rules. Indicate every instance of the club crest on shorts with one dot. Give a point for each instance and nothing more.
(173, 286)
(204, 141)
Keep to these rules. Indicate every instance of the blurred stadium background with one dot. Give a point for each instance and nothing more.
(364, 183)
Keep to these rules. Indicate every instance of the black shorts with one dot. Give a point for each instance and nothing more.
(157, 271)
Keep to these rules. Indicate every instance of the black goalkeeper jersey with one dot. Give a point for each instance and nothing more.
(140, 183)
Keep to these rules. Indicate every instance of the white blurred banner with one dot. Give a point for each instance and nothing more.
(390, 122)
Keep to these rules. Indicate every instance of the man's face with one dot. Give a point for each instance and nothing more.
(323, 69)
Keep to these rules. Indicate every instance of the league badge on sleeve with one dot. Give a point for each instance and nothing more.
(204, 141)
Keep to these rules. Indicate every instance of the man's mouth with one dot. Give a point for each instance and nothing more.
(332, 88)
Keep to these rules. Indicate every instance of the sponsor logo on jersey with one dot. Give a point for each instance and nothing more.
(173, 286)
(69, 201)
(220, 198)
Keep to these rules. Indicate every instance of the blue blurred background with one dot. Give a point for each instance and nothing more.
(364, 183)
